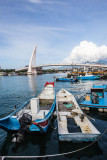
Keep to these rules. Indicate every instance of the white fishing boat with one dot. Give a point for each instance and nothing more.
(73, 124)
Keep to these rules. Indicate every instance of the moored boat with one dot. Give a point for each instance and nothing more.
(67, 79)
(73, 124)
(88, 77)
(35, 115)
(96, 98)
(1, 74)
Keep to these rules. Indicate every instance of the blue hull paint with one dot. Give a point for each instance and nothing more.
(34, 128)
(66, 80)
(63, 79)
(102, 101)
(10, 124)
(93, 77)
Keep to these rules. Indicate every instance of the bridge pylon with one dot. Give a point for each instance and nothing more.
(31, 70)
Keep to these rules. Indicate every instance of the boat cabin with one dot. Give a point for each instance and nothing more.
(98, 91)
(94, 95)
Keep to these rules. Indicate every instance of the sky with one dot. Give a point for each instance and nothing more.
(64, 31)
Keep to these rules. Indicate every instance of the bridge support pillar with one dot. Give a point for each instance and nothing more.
(31, 70)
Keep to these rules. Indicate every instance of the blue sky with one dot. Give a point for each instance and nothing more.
(55, 26)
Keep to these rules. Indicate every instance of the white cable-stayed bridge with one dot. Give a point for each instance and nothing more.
(31, 69)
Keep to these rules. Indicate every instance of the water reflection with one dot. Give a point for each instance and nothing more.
(32, 145)
(95, 114)
(32, 82)
(88, 152)
(6, 144)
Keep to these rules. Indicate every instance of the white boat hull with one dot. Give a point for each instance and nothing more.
(71, 127)
(78, 137)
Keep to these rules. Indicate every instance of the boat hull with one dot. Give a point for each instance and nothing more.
(78, 137)
(43, 125)
(88, 77)
(10, 124)
(63, 79)
(93, 106)
(66, 80)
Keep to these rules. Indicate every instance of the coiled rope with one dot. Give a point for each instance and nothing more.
(55, 155)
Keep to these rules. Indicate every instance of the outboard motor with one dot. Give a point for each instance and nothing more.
(25, 121)
(82, 117)
(95, 98)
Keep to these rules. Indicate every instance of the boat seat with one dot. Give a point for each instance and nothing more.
(83, 125)
(65, 113)
(63, 128)
(63, 118)
(40, 115)
(27, 111)
(86, 129)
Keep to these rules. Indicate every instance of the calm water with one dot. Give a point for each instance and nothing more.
(15, 90)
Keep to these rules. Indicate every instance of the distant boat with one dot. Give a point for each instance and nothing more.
(66, 79)
(35, 115)
(96, 98)
(73, 124)
(1, 74)
(88, 77)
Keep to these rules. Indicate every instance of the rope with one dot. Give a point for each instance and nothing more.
(60, 154)
(53, 127)
(53, 124)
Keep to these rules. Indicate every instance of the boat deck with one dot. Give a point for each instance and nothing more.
(45, 104)
(72, 127)
(102, 102)
(69, 123)
(69, 120)
(44, 108)
(65, 106)
(47, 93)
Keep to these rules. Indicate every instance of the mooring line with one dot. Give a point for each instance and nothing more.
(59, 154)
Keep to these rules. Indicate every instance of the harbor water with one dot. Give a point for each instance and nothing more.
(15, 90)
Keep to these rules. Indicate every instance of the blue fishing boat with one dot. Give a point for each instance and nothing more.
(67, 79)
(35, 115)
(96, 98)
(88, 77)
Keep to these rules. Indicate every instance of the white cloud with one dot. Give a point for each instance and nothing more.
(47, 2)
(87, 51)
(35, 1)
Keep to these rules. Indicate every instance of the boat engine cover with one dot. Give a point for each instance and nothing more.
(26, 118)
(95, 98)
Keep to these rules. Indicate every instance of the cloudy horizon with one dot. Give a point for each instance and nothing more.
(87, 52)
